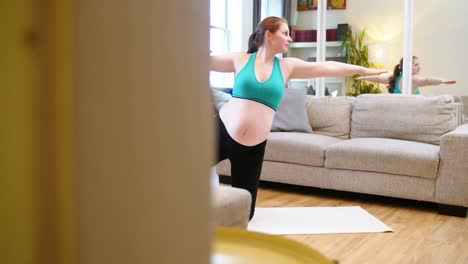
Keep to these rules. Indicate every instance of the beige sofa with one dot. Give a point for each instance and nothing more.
(408, 147)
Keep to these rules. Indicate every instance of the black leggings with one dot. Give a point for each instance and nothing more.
(246, 162)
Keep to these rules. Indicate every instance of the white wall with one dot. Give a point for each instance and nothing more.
(439, 26)
(440, 40)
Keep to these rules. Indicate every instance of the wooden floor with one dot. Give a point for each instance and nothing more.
(420, 234)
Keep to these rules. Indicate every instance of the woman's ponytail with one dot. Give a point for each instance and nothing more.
(396, 73)
(394, 77)
(255, 40)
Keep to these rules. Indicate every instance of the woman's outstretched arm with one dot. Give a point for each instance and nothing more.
(385, 79)
(224, 63)
(300, 69)
(420, 81)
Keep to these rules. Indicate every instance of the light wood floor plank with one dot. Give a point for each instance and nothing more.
(420, 234)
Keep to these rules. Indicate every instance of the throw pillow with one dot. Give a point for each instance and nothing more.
(219, 98)
(292, 112)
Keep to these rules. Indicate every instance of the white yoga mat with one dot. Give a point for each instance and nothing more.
(315, 220)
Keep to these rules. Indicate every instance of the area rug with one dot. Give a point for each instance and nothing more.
(315, 220)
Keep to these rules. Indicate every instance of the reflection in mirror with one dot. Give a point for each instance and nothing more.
(382, 21)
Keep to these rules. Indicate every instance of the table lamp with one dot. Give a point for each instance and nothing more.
(379, 54)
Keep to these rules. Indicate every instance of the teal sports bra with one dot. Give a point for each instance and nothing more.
(397, 89)
(269, 93)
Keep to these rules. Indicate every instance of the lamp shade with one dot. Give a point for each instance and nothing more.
(378, 53)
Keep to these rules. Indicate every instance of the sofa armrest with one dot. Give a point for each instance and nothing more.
(231, 206)
(452, 179)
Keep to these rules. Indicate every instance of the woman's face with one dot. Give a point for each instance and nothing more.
(416, 66)
(280, 40)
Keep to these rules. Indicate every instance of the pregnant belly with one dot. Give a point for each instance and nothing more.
(247, 122)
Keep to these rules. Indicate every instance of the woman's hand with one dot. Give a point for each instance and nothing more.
(369, 71)
(449, 81)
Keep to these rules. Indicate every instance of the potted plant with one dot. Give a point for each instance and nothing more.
(357, 54)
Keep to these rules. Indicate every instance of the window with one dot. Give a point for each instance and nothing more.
(220, 40)
(219, 31)
(271, 8)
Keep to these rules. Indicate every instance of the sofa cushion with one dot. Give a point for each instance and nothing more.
(407, 117)
(292, 112)
(299, 148)
(384, 155)
(330, 116)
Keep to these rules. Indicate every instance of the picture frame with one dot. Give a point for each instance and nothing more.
(304, 5)
(336, 4)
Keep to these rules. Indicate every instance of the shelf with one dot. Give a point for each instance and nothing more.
(339, 59)
(314, 44)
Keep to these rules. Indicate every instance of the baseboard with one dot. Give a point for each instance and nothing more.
(452, 210)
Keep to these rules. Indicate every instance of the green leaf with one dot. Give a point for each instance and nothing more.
(358, 54)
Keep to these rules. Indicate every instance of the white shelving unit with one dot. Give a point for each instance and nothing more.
(314, 44)
(305, 50)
